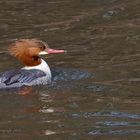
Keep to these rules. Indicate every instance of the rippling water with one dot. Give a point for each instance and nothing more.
(95, 91)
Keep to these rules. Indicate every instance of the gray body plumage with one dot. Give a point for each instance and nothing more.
(27, 76)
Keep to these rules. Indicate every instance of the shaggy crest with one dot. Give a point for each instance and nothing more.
(27, 50)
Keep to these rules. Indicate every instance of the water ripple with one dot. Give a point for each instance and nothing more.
(114, 132)
(106, 114)
(111, 123)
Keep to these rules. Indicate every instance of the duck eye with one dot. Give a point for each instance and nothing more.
(43, 47)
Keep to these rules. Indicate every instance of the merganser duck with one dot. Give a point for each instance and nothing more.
(36, 70)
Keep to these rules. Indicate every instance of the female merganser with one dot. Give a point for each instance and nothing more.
(36, 70)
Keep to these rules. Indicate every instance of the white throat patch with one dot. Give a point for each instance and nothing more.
(43, 53)
(43, 67)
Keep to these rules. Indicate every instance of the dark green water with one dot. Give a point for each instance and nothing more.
(102, 37)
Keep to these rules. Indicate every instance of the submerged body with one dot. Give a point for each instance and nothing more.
(36, 70)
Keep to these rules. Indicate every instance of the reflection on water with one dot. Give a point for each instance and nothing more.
(95, 89)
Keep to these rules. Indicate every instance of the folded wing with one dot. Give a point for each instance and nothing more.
(20, 76)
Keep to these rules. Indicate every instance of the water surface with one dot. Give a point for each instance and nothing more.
(97, 96)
